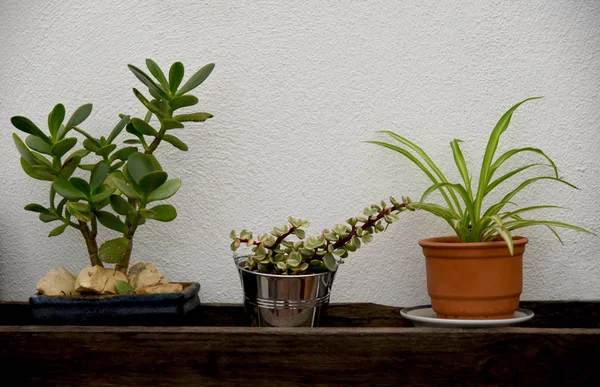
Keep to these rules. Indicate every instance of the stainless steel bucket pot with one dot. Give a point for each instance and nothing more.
(285, 300)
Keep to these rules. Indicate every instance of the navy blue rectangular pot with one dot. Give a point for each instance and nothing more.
(135, 309)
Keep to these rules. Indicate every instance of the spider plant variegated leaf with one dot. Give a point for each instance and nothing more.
(464, 207)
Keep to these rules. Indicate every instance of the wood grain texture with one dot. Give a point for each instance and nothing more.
(371, 345)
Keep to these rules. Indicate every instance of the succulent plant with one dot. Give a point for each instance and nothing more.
(125, 179)
(273, 253)
(464, 210)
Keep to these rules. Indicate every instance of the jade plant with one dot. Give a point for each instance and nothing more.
(273, 253)
(464, 210)
(103, 182)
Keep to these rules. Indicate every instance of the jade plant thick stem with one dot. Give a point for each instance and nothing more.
(273, 253)
(126, 180)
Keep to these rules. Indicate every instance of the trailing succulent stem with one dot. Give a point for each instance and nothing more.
(273, 253)
(125, 180)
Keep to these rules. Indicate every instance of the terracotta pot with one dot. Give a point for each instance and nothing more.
(473, 280)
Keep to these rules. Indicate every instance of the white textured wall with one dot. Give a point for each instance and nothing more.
(296, 90)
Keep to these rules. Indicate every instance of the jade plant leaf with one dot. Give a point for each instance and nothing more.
(34, 207)
(183, 101)
(69, 166)
(58, 230)
(165, 191)
(111, 221)
(123, 153)
(37, 144)
(123, 287)
(162, 213)
(25, 153)
(196, 79)
(63, 146)
(146, 80)
(102, 193)
(176, 142)
(147, 103)
(39, 175)
(152, 180)
(175, 76)
(118, 129)
(120, 205)
(105, 150)
(99, 174)
(56, 118)
(80, 115)
(144, 128)
(113, 251)
(65, 189)
(158, 74)
(25, 125)
(139, 165)
(81, 185)
(81, 211)
(195, 117)
(169, 123)
(48, 218)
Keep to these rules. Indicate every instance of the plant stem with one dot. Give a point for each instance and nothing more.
(91, 244)
(157, 140)
(131, 228)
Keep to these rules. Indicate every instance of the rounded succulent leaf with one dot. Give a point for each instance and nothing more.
(113, 251)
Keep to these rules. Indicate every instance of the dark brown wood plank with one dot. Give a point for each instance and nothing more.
(549, 314)
(161, 356)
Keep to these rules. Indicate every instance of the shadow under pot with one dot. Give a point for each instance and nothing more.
(478, 280)
(272, 300)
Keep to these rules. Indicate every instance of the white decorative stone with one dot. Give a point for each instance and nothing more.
(98, 280)
(57, 282)
(166, 288)
(144, 275)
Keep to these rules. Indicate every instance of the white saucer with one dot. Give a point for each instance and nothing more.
(424, 316)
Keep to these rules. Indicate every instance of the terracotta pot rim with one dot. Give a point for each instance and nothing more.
(451, 242)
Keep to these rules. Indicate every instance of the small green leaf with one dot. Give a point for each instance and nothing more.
(65, 189)
(123, 287)
(90, 145)
(37, 144)
(56, 118)
(196, 79)
(139, 164)
(177, 143)
(113, 251)
(147, 103)
(102, 193)
(175, 76)
(144, 128)
(158, 74)
(300, 233)
(25, 125)
(168, 123)
(81, 185)
(152, 180)
(120, 205)
(80, 115)
(63, 146)
(111, 221)
(99, 174)
(39, 175)
(106, 150)
(195, 117)
(24, 151)
(80, 210)
(146, 80)
(69, 166)
(118, 129)
(165, 191)
(162, 213)
(123, 153)
(132, 141)
(183, 101)
(46, 218)
(37, 208)
(329, 261)
(126, 189)
(58, 230)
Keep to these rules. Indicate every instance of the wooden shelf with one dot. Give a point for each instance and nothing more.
(365, 344)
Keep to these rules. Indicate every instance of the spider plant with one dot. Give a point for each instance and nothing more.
(464, 210)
